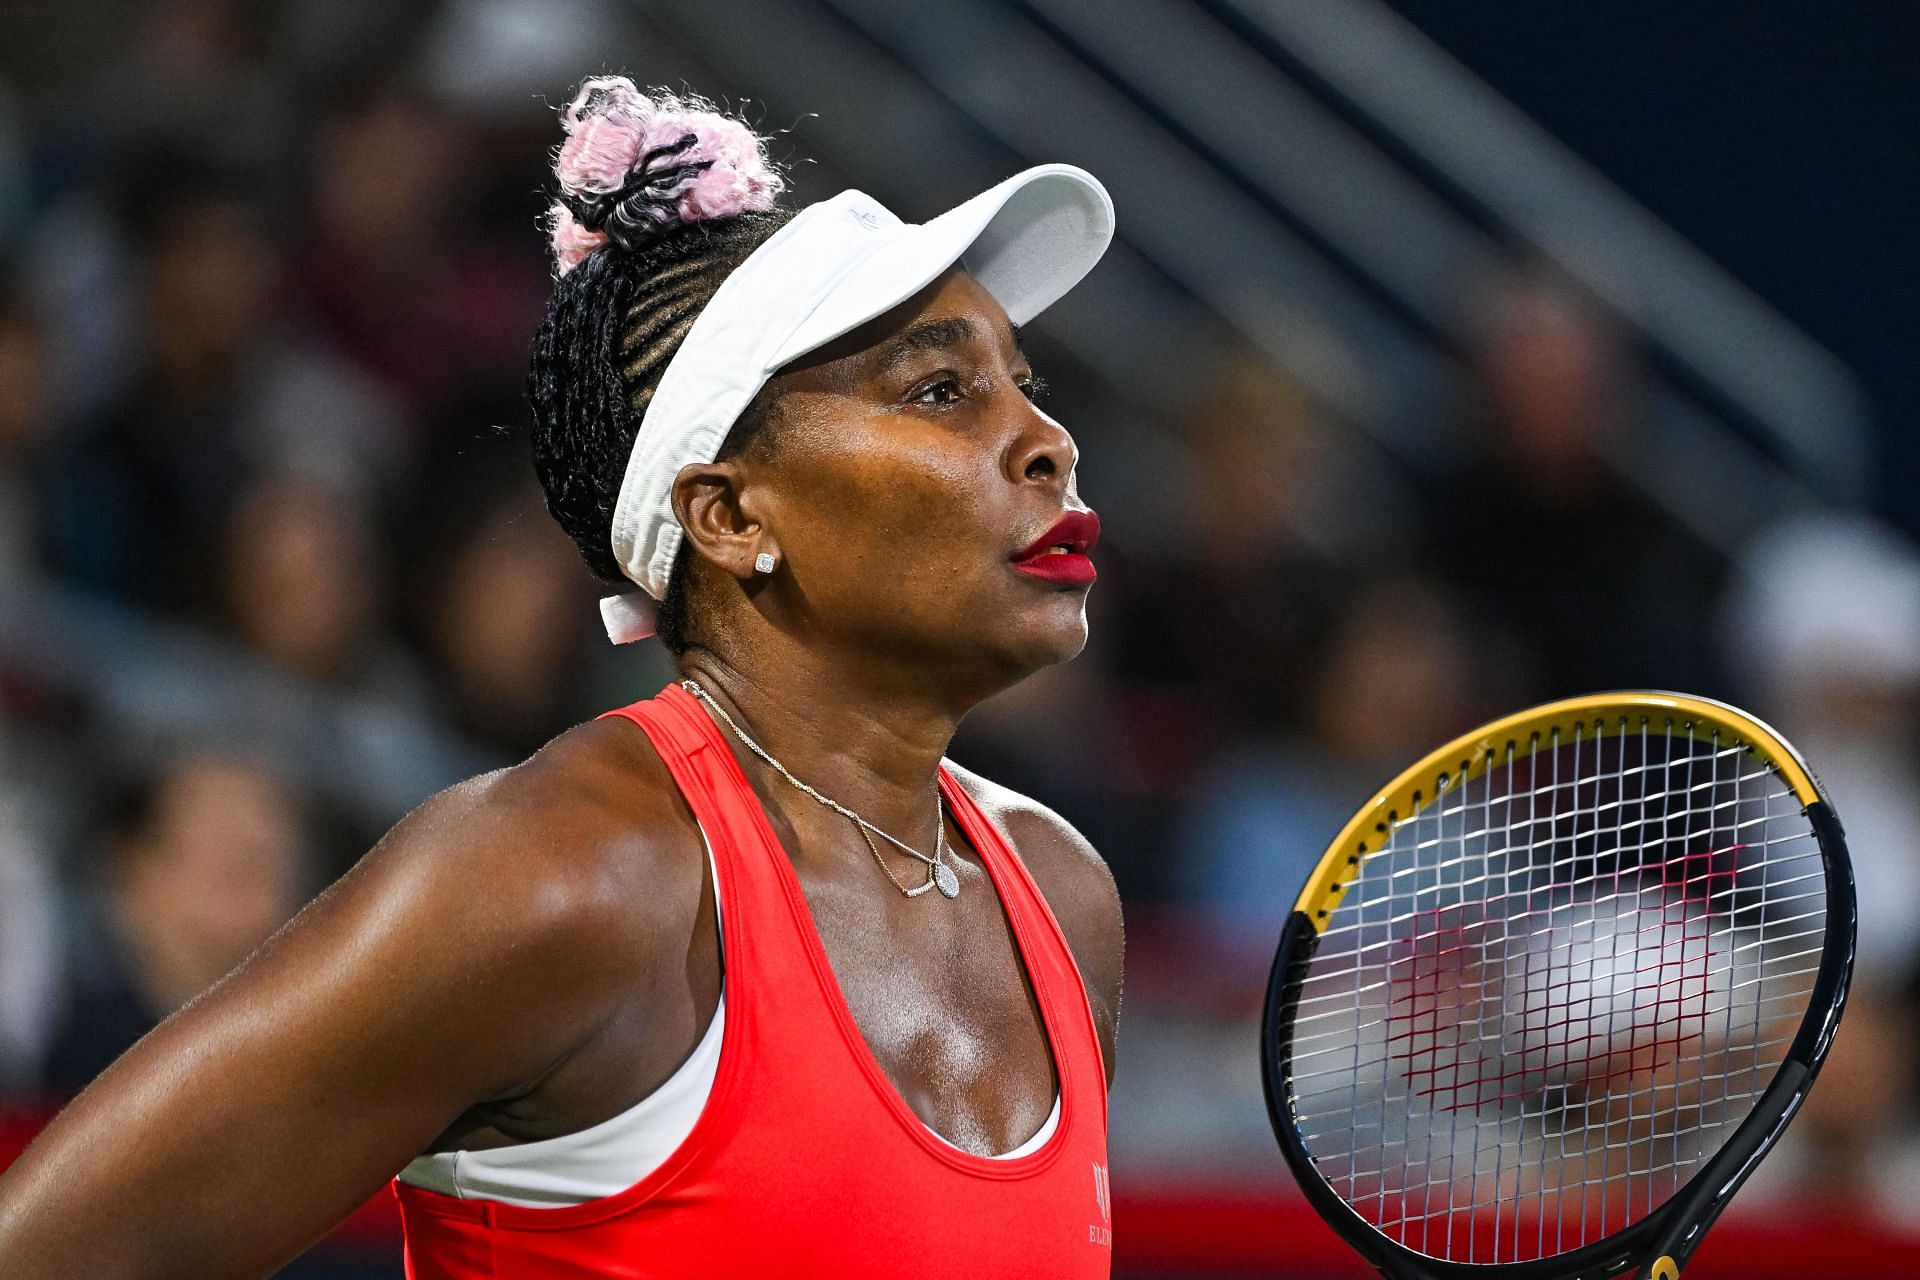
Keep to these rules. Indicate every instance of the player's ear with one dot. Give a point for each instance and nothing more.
(716, 511)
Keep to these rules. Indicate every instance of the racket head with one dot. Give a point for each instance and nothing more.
(1570, 905)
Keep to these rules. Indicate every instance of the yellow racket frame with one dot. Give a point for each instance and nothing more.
(1470, 754)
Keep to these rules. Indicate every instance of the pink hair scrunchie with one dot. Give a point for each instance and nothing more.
(636, 166)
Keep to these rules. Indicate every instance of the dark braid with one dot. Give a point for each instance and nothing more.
(613, 324)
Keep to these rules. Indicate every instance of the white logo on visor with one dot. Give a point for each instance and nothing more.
(866, 218)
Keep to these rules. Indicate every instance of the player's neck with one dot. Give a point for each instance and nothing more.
(873, 745)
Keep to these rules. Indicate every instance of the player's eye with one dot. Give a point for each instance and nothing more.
(1034, 388)
(942, 390)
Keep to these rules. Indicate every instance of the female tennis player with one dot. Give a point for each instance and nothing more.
(743, 979)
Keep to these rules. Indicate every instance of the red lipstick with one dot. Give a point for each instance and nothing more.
(1060, 554)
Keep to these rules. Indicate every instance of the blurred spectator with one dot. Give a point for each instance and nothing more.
(145, 490)
(200, 863)
(1540, 530)
(1043, 729)
(391, 278)
(23, 424)
(1399, 675)
(219, 390)
(300, 588)
(30, 938)
(1862, 1104)
(1853, 1149)
(1204, 633)
(1823, 625)
(507, 625)
(196, 73)
(1224, 620)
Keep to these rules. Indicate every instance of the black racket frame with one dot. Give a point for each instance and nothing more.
(1675, 1229)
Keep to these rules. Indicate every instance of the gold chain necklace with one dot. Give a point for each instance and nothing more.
(939, 875)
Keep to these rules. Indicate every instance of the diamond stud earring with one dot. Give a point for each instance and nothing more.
(763, 563)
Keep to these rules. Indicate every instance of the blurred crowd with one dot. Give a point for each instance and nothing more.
(273, 567)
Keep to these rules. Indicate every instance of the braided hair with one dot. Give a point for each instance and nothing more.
(660, 199)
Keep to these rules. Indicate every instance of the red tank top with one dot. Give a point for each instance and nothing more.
(806, 1161)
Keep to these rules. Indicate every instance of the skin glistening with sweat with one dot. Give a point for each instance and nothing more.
(554, 920)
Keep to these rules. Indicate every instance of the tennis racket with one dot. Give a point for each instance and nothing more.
(1550, 996)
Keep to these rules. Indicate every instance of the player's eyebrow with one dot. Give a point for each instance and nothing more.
(942, 334)
(928, 335)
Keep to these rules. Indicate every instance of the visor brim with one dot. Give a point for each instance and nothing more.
(1027, 240)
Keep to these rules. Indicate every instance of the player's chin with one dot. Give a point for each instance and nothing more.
(1048, 626)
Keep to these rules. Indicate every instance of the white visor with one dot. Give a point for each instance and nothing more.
(835, 266)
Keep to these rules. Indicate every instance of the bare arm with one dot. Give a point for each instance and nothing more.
(466, 956)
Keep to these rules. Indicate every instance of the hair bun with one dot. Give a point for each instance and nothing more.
(636, 166)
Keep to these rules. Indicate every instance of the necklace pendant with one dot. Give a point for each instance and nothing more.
(939, 875)
(946, 881)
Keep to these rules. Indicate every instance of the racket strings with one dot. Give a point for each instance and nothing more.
(1547, 994)
(1409, 851)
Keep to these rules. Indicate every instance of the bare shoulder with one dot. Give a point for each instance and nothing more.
(546, 890)
(571, 841)
(594, 801)
(1053, 849)
(1076, 883)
